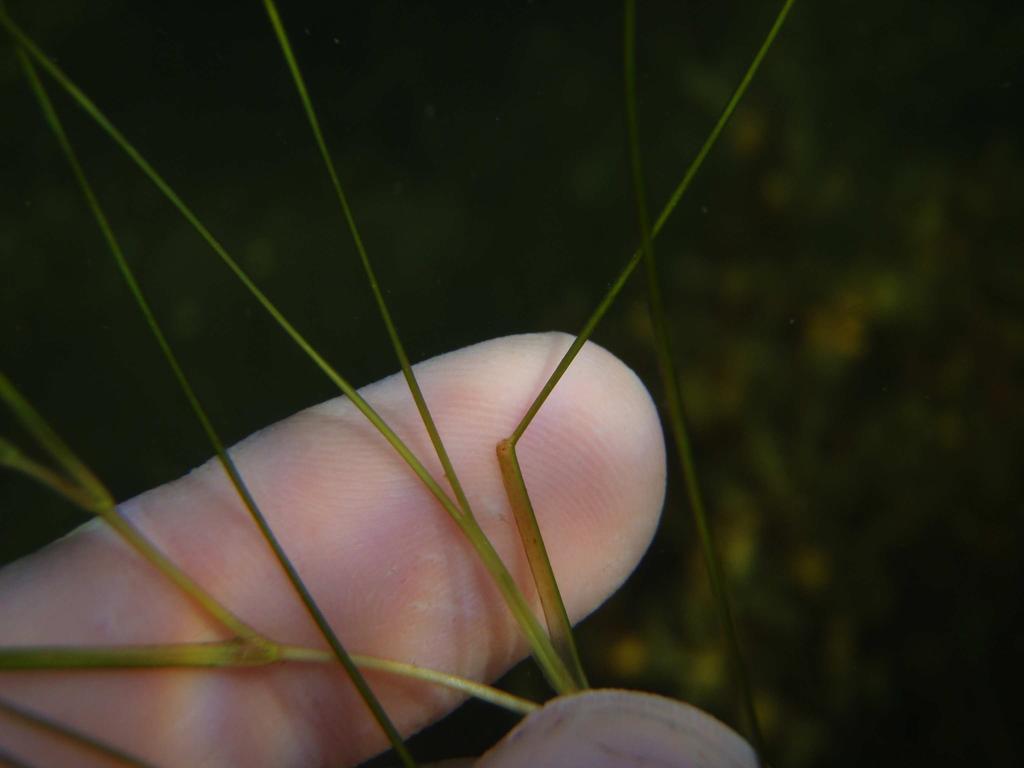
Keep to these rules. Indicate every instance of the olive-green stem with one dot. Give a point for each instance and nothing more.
(235, 477)
(559, 640)
(396, 342)
(67, 733)
(670, 378)
(227, 653)
(231, 654)
(85, 490)
(555, 614)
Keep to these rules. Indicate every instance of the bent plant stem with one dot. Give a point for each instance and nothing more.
(677, 194)
(555, 614)
(229, 467)
(507, 446)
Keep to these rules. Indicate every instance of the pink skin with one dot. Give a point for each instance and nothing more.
(389, 568)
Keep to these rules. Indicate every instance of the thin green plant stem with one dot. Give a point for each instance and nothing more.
(550, 662)
(570, 660)
(86, 490)
(105, 505)
(104, 502)
(81, 486)
(673, 394)
(227, 654)
(224, 653)
(12, 458)
(723, 119)
(404, 362)
(677, 194)
(69, 734)
(234, 475)
(89, 107)
(396, 342)
(487, 693)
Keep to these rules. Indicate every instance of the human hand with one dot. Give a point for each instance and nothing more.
(391, 571)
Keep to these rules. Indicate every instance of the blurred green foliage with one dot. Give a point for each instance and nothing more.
(845, 288)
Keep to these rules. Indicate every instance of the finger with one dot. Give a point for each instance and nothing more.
(387, 565)
(611, 729)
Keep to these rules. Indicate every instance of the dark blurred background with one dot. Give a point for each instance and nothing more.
(845, 288)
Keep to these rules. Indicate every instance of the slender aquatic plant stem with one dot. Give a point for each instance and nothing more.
(562, 635)
(67, 733)
(229, 654)
(371, 277)
(234, 475)
(486, 693)
(12, 458)
(555, 614)
(102, 503)
(88, 493)
(673, 394)
(222, 654)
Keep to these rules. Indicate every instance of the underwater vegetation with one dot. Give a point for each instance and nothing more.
(845, 296)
